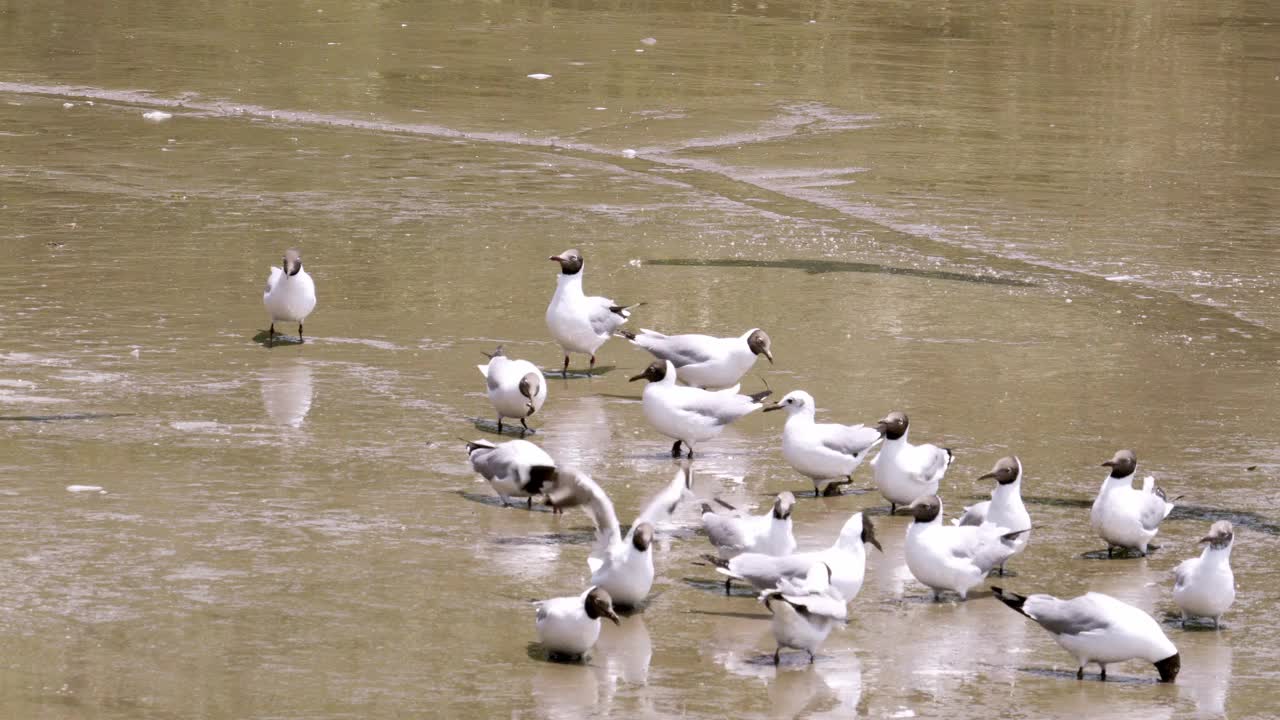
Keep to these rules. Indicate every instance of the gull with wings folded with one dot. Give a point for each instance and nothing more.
(1097, 628)
(516, 388)
(822, 451)
(579, 322)
(903, 471)
(705, 361)
(1205, 586)
(947, 557)
(689, 414)
(621, 565)
(569, 626)
(803, 616)
(513, 469)
(769, 534)
(1123, 515)
(1005, 508)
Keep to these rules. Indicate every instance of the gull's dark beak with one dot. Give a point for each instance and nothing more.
(557, 258)
(609, 613)
(988, 476)
(768, 354)
(1109, 464)
(876, 543)
(634, 378)
(773, 406)
(881, 427)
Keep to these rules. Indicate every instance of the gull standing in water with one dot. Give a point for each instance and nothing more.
(578, 322)
(1124, 516)
(1205, 586)
(690, 414)
(621, 565)
(822, 451)
(1005, 508)
(569, 626)
(947, 557)
(705, 361)
(769, 534)
(1097, 628)
(903, 471)
(290, 295)
(803, 616)
(516, 468)
(515, 387)
(846, 557)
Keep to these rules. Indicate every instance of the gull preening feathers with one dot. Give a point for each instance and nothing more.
(1124, 516)
(622, 565)
(1097, 628)
(569, 626)
(1205, 586)
(578, 322)
(1005, 508)
(513, 469)
(688, 414)
(515, 387)
(705, 361)
(846, 557)
(903, 471)
(769, 534)
(290, 295)
(955, 558)
(822, 451)
(803, 616)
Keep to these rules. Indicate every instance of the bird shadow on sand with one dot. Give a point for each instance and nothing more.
(788, 660)
(716, 587)
(263, 338)
(814, 495)
(1121, 554)
(821, 267)
(541, 654)
(620, 396)
(509, 428)
(1174, 620)
(63, 416)
(579, 374)
(520, 504)
(737, 615)
(1088, 676)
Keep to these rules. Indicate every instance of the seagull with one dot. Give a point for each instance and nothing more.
(846, 557)
(690, 414)
(803, 618)
(1098, 628)
(517, 468)
(1123, 516)
(903, 471)
(705, 361)
(822, 451)
(569, 626)
(621, 565)
(1005, 507)
(946, 557)
(516, 387)
(580, 323)
(769, 534)
(1205, 586)
(290, 295)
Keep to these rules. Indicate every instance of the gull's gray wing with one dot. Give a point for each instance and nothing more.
(605, 316)
(486, 459)
(725, 532)
(1066, 617)
(975, 514)
(272, 279)
(1154, 510)
(764, 571)
(851, 439)
(681, 350)
(721, 407)
(660, 507)
(1182, 573)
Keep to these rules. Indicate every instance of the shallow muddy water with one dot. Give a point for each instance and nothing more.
(1045, 230)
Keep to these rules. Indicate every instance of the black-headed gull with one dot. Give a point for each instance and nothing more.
(1205, 586)
(1005, 508)
(517, 468)
(515, 387)
(903, 471)
(1123, 515)
(822, 451)
(949, 557)
(846, 557)
(803, 616)
(769, 533)
(689, 414)
(290, 295)
(569, 626)
(705, 361)
(622, 565)
(1097, 628)
(578, 322)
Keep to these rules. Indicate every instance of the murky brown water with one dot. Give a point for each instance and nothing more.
(1046, 230)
